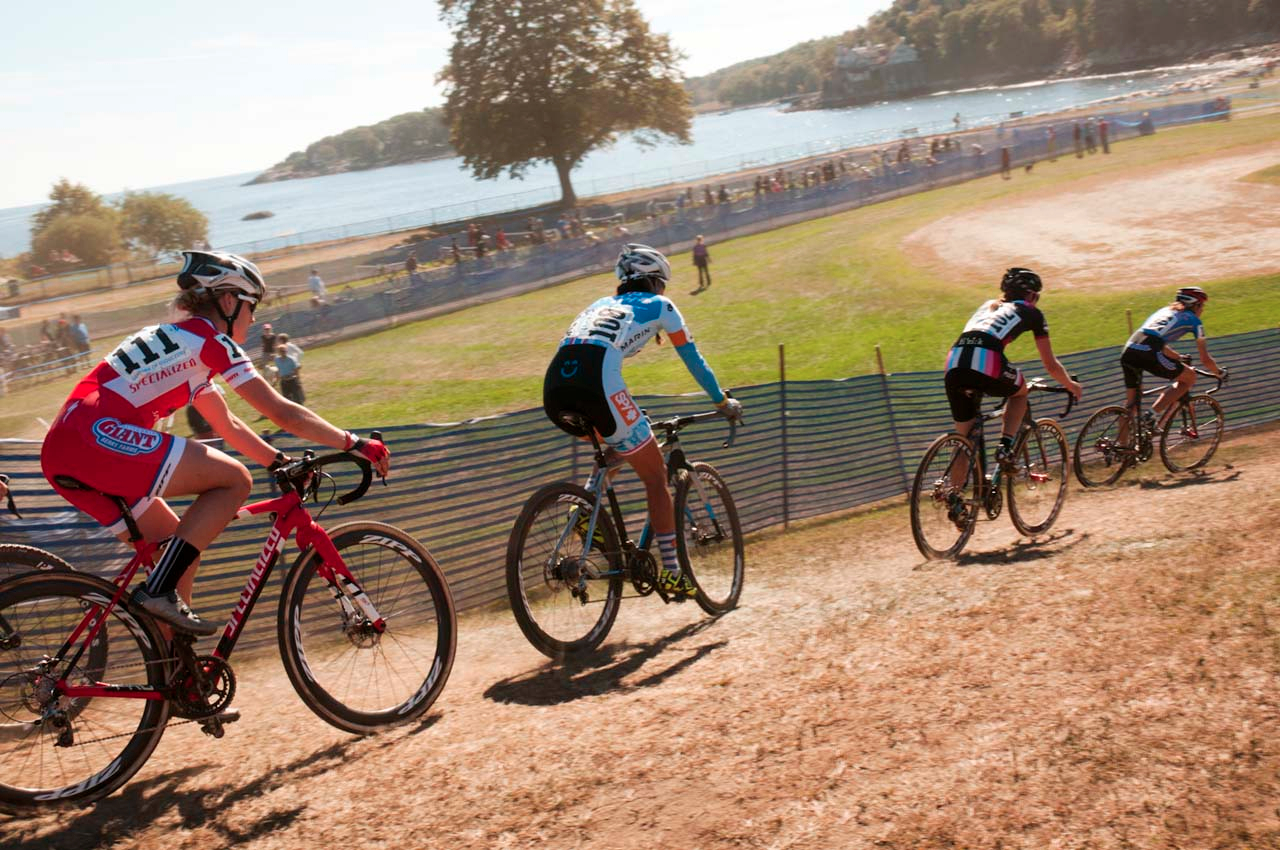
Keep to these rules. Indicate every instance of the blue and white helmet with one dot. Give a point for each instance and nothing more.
(641, 268)
(214, 273)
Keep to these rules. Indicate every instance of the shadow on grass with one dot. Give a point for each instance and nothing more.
(602, 671)
(1192, 479)
(141, 803)
(1026, 551)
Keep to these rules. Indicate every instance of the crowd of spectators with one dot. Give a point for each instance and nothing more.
(63, 345)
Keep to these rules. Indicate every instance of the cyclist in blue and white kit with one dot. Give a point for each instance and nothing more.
(585, 378)
(977, 364)
(1148, 351)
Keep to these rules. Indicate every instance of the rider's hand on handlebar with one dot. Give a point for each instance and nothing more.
(375, 450)
(730, 408)
(1075, 388)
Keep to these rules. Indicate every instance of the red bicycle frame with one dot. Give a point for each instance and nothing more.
(292, 517)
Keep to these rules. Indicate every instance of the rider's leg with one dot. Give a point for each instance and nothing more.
(1169, 398)
(220, 484)
(1014, 409)
(648, 463)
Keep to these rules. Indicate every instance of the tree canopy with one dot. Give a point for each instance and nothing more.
(78, 229)
(158, 222)
(962, 39)
(552, 80)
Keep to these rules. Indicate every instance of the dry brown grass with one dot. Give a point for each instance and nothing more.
(1112, 687)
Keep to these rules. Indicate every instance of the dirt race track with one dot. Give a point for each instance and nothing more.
(1193, 220)
(1112, 686)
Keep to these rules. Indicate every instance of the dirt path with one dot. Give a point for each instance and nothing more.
(1193, 221)
(1114, 686)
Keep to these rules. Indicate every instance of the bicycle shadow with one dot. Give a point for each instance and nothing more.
(1025, 551)
(142, 802)
(599, 672)
(1194, 478)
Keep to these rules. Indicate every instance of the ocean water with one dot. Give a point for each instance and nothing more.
(441, 190)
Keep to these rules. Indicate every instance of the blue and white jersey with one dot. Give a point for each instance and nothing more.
(625, 322)
(1164, 326)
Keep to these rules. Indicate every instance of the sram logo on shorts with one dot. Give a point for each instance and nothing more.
(626, 406)
(124, 438)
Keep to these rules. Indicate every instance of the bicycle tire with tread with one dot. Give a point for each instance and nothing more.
(1179, 418)
(973, 479)
(20, 597)
(304, 672)
(1049, 429)
(549, 500)
(719, 603)
(1094, 427)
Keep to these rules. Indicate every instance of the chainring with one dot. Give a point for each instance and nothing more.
(644, 573)
(192, 700)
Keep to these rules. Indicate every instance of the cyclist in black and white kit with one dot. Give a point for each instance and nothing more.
(977, 364)
(585, 378)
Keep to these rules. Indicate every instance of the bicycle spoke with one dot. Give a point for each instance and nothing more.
(944, 497)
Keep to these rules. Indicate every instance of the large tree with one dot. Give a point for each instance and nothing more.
(78, 223)
(552, 80)
(160, 222)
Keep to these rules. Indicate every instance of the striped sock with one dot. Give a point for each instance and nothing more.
(178, 556)
(667, 546)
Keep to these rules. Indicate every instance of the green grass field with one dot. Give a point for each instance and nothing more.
(830, 289)
(1266, 175)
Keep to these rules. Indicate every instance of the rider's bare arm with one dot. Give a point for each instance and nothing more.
(1055, 368)
(213, 407)
(1206, 359)
(293, 418)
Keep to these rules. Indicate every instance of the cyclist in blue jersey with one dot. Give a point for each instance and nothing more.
(1148, 350)
(585, 378)
(977, 364)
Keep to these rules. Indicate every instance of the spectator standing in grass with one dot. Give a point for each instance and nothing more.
(702, 262)
(1090, 142)
(317, 287)
(455, 250)
(268, 344)
(1077, 140)
(80, 336)
(1051, 136)
(1104, 133)
(290, 375)
(1006, 163)
(292, 348)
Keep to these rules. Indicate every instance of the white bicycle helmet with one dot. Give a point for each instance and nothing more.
(640, 268)
(212, 272)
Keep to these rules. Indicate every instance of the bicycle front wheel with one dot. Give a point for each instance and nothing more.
(16, 559)
(945, 497)
(1192, 434)
(55, 749)
(356, 674)
(1100, 455)
(1037, 486)
(564, 593)
(709, 538)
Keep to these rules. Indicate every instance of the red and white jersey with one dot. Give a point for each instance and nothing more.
(160, 369)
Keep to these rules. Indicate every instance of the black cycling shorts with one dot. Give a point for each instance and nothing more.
(966, 387)
(1135, 361)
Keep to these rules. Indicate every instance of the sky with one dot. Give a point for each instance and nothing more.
(130, 94)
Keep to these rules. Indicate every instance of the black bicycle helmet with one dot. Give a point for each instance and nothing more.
(1018, 282)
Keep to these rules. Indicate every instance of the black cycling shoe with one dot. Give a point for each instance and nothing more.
(172, 610)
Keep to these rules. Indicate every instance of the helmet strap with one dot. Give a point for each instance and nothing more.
(235, 314)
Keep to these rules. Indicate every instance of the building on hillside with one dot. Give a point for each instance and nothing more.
(873, 72)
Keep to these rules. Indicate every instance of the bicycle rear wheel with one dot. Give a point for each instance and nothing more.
(1192, 434)
(709, 538)
(16, 559)
(55, 749)
(564, 594)
(1100, 456)
(355, 674)
(945, 497)
(1037, 486)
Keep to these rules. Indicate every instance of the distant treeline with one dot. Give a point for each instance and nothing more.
(963, 39)
(409, 137)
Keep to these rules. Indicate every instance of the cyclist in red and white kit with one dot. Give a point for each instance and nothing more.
(104, 435)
